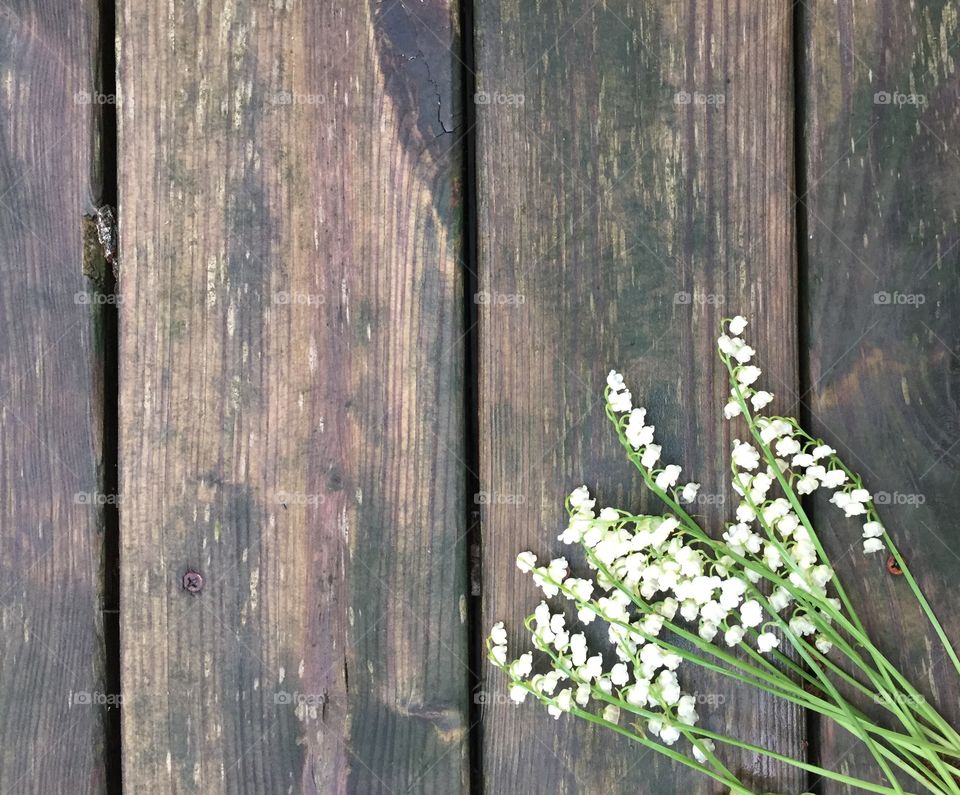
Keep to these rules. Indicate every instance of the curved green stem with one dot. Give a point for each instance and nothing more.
(825, 682)
(886, 669)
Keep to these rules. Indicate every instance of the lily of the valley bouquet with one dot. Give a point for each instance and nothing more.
(761, 606)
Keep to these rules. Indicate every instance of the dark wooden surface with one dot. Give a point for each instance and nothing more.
(882, 286)
(52, 682)
(292, 399)
(295, 378)
(630, 223)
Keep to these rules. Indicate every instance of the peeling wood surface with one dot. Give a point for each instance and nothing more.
(292, 399)
(52, 691)
(635, 170)
(882, 128)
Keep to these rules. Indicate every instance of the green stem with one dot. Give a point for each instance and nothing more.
(859, 632)
(908, 576)
(768, 679)
(828, 686)
(826, 628)
(639, 738)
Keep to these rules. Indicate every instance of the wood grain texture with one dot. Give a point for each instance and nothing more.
(883, 166)
(630, 220)
(52, 699)
(292, 398)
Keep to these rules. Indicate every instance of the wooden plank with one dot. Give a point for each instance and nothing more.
(630, 222)
(882, 283)
(292, 399)
(53, 695)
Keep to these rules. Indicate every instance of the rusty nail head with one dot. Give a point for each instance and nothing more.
(193, 581)
(892, 566)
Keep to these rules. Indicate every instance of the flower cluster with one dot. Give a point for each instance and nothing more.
(640, 671)
(808, 463)
(667, 592)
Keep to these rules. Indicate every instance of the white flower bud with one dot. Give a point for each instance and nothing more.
(669, 687)
(498, 635)
(787, 445)
(650, 456)
(767, 641)
(518, 693)
(737, 325)
(733, 635)
(747, 374)
(744, 455)
(744, 353)
(834, 478)
(668, 477)
(872, 545)
(707, 630)
(615, 381)
(780, 598)
(619, 674)
(620, 401)
(822, 451)
(751, 614)
(580, 499)
(638, 694)
(526, 561)
(709, 745)
(582, 696)
(686, 710)
(522, 666)
(802, 460)
(802, 625)
(669, 735)
(726, 345)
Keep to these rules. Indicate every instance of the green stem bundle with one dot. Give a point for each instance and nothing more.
(745, 596)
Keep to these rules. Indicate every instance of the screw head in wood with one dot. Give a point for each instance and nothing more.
(193, 581)
(892, 567)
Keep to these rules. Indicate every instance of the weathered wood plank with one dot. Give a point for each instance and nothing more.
(882, 285)
(630, 223)
(292, 399)
(52, 692)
